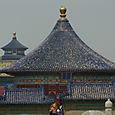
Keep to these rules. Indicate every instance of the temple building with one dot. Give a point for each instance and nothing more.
(14, 50)
(62, 66)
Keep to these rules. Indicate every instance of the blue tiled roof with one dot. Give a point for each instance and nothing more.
(14, 44)
(62, 50)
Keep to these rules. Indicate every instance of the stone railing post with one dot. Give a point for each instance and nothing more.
(108, 107)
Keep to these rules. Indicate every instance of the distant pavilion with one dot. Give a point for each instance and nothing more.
(14, 50)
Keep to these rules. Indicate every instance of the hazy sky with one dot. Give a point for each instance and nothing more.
(33, 20)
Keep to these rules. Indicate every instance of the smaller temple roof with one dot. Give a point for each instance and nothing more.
(14, 44)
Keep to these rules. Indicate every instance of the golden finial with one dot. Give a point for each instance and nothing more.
(63, 13)
(14, 34)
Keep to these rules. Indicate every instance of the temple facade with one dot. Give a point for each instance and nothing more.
(63, 66)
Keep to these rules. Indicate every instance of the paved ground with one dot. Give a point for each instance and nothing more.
(78, 112)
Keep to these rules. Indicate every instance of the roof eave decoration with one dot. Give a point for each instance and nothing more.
(63, 13)
(79, 72)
